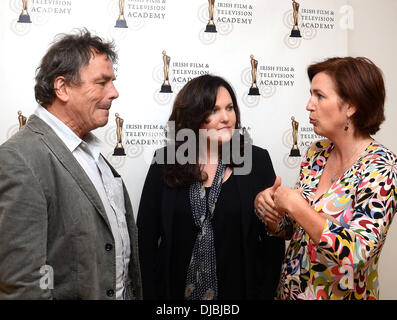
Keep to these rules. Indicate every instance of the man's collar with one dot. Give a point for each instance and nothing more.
(90, 143)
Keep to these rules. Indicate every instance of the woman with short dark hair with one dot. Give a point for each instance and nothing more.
(199, 238)
(360, 82)
(338, 215)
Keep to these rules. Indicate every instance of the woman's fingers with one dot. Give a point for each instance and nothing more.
(265, 206)
(266, 212)
(272, 216)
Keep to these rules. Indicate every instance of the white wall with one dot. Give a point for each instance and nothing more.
(181, 33)
(373, 36)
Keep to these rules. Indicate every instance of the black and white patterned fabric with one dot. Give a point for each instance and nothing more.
(201, 281)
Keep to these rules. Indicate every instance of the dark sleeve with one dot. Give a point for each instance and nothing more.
(263, 172)
(275, 251)
(149, 229)
(23, 230)
(274, 247)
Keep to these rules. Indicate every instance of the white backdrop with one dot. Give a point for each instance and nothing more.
(375, 41)
(257, 27)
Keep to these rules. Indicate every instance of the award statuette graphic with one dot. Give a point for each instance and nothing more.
(166, 87)
(295, 150)
(24, 16)
(211, 27)
(295, 32)
(119, 150)
(21, 120)
(121, 22)
(254, 90)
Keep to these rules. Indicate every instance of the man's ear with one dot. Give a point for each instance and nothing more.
(61, 89)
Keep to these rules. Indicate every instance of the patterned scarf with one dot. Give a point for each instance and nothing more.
(201, 281)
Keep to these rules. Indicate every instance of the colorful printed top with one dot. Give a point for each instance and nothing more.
(359, 208)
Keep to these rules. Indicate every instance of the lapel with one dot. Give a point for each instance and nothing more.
(244, 185)
(167, 216)
(66, 158)
(167, 201)
(167, 211)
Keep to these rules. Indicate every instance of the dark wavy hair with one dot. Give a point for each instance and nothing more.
(191, 108)
(360, 82)
(66, 56)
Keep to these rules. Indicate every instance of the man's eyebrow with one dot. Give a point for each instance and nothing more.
(106, 77)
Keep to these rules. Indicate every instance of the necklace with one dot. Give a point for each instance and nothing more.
(334, 174)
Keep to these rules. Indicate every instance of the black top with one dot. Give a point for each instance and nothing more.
(246, 257)
(227, 238)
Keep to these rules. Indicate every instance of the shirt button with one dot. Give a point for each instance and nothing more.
(110, 293)
(108, 247)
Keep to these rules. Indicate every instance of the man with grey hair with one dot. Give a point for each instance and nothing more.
(67, 229)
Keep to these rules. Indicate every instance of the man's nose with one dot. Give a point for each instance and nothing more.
(114, 94)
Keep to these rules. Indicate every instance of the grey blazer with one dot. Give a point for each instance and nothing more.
(51, 215)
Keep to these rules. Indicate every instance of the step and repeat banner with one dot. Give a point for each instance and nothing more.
(262, 47)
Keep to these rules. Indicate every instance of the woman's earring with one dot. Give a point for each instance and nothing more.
(347, 125)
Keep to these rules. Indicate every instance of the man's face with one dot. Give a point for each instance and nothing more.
(90, 101)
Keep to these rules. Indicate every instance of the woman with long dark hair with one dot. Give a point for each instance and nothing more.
(199, 238)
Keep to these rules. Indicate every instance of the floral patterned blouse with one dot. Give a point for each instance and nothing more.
(359, 208)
